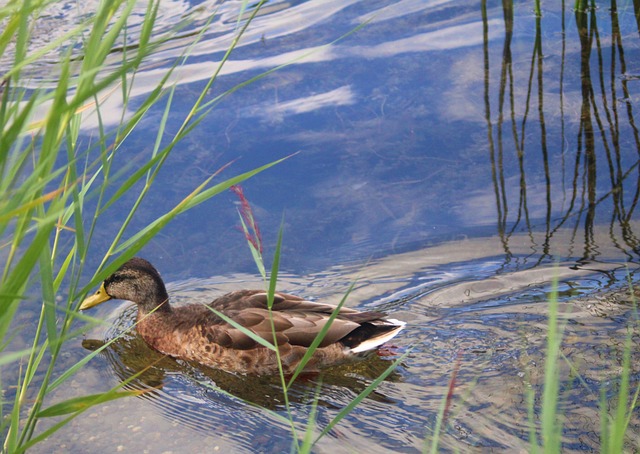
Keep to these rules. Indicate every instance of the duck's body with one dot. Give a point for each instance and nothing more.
(195, 333)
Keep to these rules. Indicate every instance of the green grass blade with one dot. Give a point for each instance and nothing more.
(194, 199)
(605, 436)
(444, 407)
(245, 331)
(255, 254)
(274, 414)
(361, 396)
(273, 278)
(7, 358)
(18, 277)
(84, 406)
(551, 427)
(38, 218)
(81, 403)
(48, 294)
(320, 336)
(307, 440)
(84, 360)
(64, 268)
(619, 423)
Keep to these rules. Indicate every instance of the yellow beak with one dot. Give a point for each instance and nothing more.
(99, 297)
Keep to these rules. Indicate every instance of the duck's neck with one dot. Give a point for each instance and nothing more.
(161, 307)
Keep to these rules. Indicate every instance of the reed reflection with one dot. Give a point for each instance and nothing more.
(566, 131)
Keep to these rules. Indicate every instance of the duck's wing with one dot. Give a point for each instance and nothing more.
(291, 327)
(258, 299)
(284, 302)
(296, 321)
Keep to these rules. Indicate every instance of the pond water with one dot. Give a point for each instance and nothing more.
(454, 157)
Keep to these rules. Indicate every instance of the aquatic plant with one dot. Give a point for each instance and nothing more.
(546, 435)
(55, 188)
(301, 443)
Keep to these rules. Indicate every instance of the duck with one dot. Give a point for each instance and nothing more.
(195, 333)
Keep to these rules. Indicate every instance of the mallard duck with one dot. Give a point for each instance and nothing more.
(194, 333)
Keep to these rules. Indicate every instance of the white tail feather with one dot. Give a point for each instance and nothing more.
(375, 342)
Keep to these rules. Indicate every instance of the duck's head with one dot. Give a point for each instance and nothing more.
(138, 281)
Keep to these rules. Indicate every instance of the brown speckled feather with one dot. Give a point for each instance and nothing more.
(196, 333)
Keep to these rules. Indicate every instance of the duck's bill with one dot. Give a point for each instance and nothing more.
(99, 297)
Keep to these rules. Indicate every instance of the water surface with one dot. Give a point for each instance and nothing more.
(454, 157)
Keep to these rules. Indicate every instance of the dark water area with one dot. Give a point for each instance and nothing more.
(453, 156)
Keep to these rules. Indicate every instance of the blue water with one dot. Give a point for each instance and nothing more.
(435, 155)
(391, 126)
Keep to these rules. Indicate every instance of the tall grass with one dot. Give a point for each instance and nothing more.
(551, 430)
(303, 438)
(55, 190)
(614, 427)
(547, 438)
(545, 416)
(47, 177)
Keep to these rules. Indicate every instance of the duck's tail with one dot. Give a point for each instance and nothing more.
(371, 335)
